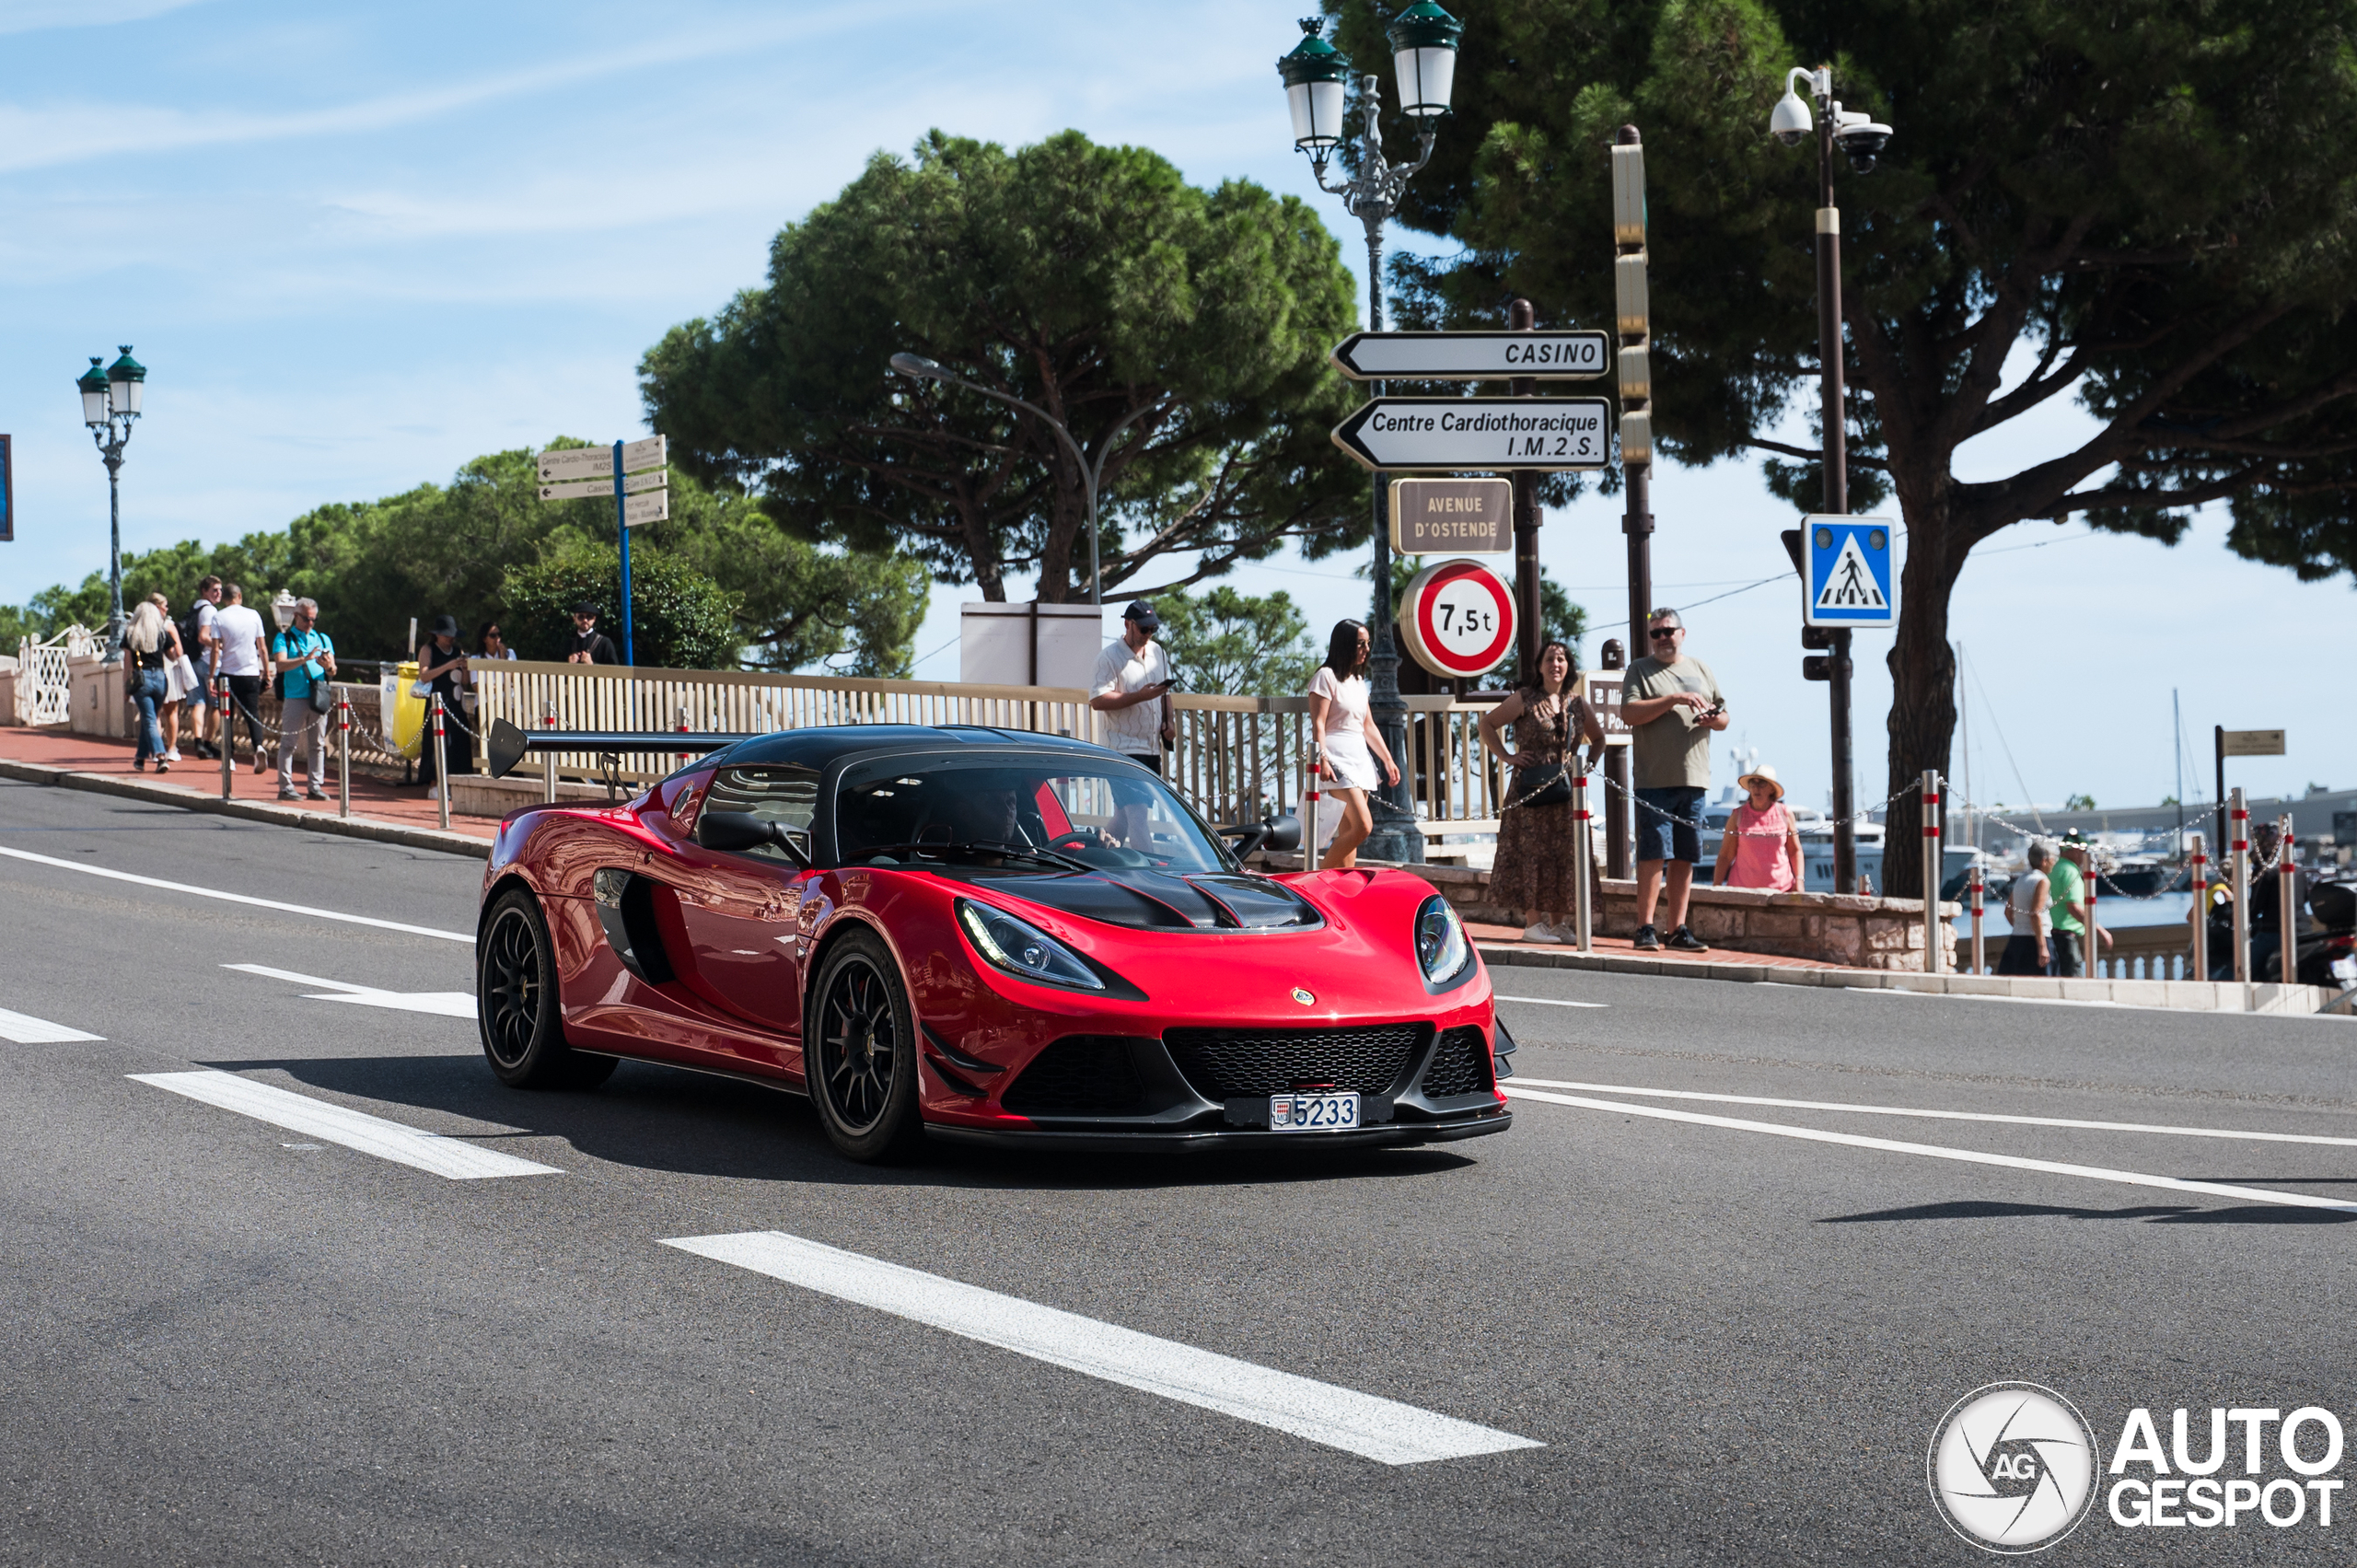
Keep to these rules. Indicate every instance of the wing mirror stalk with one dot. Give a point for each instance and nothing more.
(1281, 834)
(740, 832)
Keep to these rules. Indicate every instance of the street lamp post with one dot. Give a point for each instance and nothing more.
(110, 400)
(1862, 139)
(923, 369)
(1423, 54)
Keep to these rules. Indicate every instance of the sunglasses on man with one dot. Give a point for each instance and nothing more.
(1659, 632)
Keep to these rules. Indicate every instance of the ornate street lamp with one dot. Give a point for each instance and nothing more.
(111, 400)
(1860, 139)
(1423, 57)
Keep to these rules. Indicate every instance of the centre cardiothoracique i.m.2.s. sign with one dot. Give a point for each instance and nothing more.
(1457, 434)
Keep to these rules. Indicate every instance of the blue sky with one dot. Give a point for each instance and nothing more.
(360, 244)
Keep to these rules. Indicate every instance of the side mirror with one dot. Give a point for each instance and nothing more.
(503, 747)
(1279, 833)
(740, 832)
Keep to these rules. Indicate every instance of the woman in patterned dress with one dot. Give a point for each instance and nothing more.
(1535, 869)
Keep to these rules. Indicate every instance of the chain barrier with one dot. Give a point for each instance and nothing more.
(2106, 859)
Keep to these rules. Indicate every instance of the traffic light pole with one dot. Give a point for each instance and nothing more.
(1831, 414)
(1632, 305)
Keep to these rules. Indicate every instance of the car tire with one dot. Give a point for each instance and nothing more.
(517, 1007)
(860, 1057)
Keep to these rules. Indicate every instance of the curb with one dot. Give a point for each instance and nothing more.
(251, 810)
(2176, 995)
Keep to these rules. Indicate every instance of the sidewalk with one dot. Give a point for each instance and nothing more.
(379, 809)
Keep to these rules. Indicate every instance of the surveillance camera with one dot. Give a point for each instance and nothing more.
(1791, 123)
(1864, 140)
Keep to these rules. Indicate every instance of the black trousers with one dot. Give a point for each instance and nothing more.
(457, 752)
(245, 697)
(2020, 956)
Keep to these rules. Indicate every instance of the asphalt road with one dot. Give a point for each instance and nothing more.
(225, 1342)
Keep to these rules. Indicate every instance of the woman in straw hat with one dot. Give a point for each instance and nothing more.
(1761, 846)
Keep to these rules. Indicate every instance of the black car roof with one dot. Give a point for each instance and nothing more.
(817, 748)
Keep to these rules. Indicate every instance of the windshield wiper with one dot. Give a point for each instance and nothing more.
(989, 846)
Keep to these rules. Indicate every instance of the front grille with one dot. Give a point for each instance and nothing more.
(1460, 1065)
(1229, 1063)
(1078, 1076)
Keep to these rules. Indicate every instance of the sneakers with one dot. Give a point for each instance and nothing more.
(315, 792)
(139, 764)
(288, 794)
(1682, 940)
(173, 755)
(434, 792)
(1540, 931)
(1648, 940)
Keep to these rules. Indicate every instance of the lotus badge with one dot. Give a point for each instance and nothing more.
(1305, 998)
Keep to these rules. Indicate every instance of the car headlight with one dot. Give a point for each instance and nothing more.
(1022, 949)
(1440, 940)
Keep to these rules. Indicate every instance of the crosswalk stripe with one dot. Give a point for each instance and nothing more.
(26, 1029)
(453, 1157)
(1379, 1429)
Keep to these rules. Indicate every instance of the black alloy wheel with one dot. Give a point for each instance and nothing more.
(516, 1004)
(861, 1064)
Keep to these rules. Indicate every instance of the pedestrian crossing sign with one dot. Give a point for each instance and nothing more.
(1849, 580)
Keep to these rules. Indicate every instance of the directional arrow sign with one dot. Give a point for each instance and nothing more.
(580, 489)
(651, 508)
(1479, 433)
(586, 462)
(1849, 575)
(1473, 356)
(651, 453)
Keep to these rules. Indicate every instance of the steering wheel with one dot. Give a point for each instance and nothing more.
(1079, 838)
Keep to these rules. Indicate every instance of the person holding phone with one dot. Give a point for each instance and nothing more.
(1131, 686)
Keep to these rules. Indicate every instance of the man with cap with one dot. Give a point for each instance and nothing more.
(442, 665)
(2067, 885)
(1131, 686)
(589, 646)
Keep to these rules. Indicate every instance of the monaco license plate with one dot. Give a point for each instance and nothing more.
(1313, 1113)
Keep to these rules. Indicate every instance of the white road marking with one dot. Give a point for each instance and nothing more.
(453, 1157)
(1934, 1151)
(26, 1029)
(235, 898)
(1554, 1002)
(1945, 1115)
(1375, 1428)
(448, 1004)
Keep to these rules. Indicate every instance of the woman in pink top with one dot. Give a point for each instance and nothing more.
(1761, 846)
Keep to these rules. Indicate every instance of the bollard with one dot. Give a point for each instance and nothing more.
(1584, 862)
(2239, 814)
(2092, 936)
(1934, 952)
(441, 767)
(227, 732)
(343, 757)
(2200, 909)
(1309, 817)
(1974, 887)
(2287, 927)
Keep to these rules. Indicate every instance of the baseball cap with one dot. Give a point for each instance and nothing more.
(1143, 614)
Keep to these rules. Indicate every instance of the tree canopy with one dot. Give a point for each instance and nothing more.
(459, 548)
(2145, 205)
(1181, 335)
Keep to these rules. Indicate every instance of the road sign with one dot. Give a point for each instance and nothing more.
(1458, 619)
(591, 462)
(654, 509)
(1479, 433)
(2252, 743)
(1602, 689)
(581, 489)
(1458, 516)
(1847, 578)
(1473, 356)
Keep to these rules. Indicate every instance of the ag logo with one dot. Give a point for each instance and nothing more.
(2012, 1467)
(1304, 997)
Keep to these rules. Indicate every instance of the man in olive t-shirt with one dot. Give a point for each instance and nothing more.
(1671, 704)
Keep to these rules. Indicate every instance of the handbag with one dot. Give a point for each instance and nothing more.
(1532, 787)
(322, 695)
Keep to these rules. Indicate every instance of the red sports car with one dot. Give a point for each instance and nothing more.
(980, 935)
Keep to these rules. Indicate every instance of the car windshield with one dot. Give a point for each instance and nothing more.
(1027, 815)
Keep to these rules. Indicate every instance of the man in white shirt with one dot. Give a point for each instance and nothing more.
(244, 654)
(1131, 686)
(202, 652)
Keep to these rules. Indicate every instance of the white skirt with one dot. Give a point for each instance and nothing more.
(179, 679)
(1354, 764)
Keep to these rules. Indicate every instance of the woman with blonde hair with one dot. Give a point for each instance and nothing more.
(149, 644)
(1536, 867)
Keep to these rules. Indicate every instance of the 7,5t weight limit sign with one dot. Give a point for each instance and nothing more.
(1456, 434)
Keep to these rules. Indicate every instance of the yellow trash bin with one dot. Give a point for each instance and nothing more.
(403, 711)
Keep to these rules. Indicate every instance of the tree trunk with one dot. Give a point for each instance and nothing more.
(1922, 682)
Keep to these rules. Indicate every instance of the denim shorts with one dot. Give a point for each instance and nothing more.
(1665, 820)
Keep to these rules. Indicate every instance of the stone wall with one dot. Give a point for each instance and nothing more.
(1865, 933)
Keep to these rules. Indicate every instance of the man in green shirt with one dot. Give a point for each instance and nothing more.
(1671, 704)
(2068, 887)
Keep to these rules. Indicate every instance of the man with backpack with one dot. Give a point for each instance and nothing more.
(305, 660)
(197, 641)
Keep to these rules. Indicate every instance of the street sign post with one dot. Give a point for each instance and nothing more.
(2251, 743)
(1458, 619)
(636, 473)
(1473, 356)
(1452, 517)
(1848, 578)
(1456, 434)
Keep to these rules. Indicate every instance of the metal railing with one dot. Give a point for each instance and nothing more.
(44, 689)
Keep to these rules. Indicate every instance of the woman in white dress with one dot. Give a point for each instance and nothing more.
(1347, 741)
